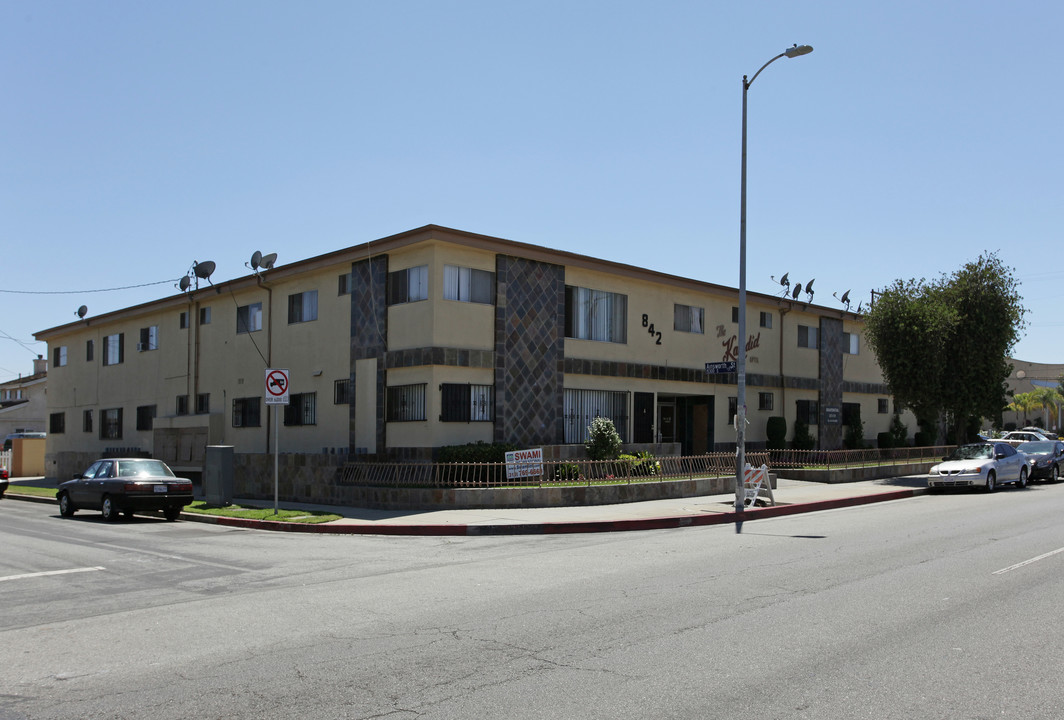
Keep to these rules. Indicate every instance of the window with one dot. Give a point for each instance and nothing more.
(466, 403)
(205, 316)
(145, 415)
(468, 285)
(249, 318)
(343, 284)
(149, 339)
(246, 412)
(686, 318)
(90, 349)
(735, 314)
(86, 421)
(111, 424)
(851, 343)
(59, 356)
(301, 410)
(733, 410)
(883, 409)
(113, 349)
(182, 320)
(596, 315)
(808, 337)
(203, 403)
(580, 407)
(342, 392)
(405, 403)
(766, 320)
(408, 285)
(182, 405)
(57, 423)
(809, 411)
(303, 307)
(851, 413)
(764, 401)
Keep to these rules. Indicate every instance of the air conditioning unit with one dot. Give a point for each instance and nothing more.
(141, 347)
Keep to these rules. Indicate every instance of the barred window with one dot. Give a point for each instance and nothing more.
(466, 403)
(246, 412)
(405, 403)
(182, 405)
(301, 410)
(764, 401)
(686, 318)
(583, 406)
(111, 424)
(468, 284)
(883, 406)
(86, 421)
(57, 423)
(342, 392)
(809, 411)
(145, 416)
(203, 403)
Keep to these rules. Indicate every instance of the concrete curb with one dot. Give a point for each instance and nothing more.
(547, 528)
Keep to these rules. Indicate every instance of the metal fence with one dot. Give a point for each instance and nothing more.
(555, 473)
(833, 459)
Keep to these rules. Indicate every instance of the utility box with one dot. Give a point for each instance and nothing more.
(218, 475)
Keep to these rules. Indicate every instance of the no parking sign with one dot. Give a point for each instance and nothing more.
(276, 387)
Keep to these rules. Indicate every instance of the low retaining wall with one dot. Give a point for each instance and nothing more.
(856, 474)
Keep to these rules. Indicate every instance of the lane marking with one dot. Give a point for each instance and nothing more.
(50, 572)
(1028, 562)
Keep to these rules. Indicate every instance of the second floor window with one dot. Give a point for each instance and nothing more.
(59, 356)
(851, 343)
(57, 423)
(686, 318)
(808, 337)
(182, 405)
(149, 339)
(246, 412)
(111, 424)
(303, 307)
(86, 421)
(409, 285)
(766, 320)
(205, 316)
(596, 315)
(113, 347)
(468, 284)
(203, 403)
(90, 347)
(249, 318)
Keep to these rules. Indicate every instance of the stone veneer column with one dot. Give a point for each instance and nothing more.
(369, 335)
(831, 376)
(529, 351)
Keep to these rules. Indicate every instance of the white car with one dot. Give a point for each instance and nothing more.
(1016, 437)
(984, 465)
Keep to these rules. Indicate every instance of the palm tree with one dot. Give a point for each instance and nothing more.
(1045, 398)
(1023, 403)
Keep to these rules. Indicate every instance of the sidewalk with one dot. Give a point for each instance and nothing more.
(792, 497)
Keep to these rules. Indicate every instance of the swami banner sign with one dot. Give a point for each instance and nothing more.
(524, 463)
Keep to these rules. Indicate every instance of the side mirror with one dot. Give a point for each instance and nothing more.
(76, 476)
(999, 455)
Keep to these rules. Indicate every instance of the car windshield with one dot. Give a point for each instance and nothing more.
(1036, 448)
(973, 452)
(143, 468)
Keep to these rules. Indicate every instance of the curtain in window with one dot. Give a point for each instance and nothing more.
(583, 406)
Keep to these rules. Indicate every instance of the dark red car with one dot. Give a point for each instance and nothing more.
(125, 485)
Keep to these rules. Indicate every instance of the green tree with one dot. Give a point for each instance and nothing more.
(603, 442)
(943, 346)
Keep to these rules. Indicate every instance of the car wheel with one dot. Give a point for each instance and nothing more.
(171, 513)
(1023, 478)
(1054, 474)
(66, 508)
(109, 509)
(991, 482)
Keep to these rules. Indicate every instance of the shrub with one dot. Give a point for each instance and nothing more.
(922, 438)
(603, 443)
(642, 464)
(899, 432)
(776, 432)
(885, 439)
(854, 437)
(478, 452)
(803, 439)
(567, 471)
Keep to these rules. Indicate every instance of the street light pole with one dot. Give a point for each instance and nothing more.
(740, 410)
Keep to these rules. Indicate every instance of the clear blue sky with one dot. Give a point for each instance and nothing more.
(138, 137)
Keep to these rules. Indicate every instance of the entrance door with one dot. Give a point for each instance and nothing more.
(644, 418)
(667, 423)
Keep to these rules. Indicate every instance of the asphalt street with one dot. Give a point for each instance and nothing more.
(936, 606)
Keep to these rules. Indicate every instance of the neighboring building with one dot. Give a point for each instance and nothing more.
(1027, 377)
(439, 337)
(24, 402)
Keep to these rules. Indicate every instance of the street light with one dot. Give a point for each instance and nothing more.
(740, 411)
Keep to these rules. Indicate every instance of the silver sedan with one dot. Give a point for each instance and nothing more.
(984, 465)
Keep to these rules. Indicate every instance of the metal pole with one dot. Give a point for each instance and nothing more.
(740, 403)
(276, 447)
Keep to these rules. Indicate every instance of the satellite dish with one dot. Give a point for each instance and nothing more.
(256, 260)
(784, 280)
(204, 269)
(184, 283)
(797, 291)
(267, 261)
(809, 285)
(846, 298)
(82, 311)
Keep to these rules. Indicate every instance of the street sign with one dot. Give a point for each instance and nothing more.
(720, 368)
(276, 387)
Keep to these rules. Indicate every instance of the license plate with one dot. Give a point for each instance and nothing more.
(162, 488)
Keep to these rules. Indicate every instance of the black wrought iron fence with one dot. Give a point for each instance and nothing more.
(798, 459)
